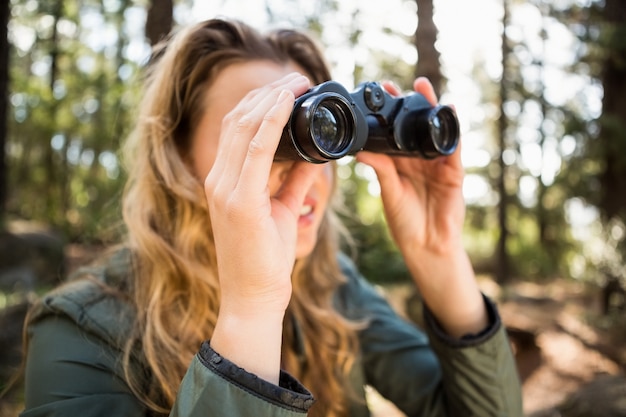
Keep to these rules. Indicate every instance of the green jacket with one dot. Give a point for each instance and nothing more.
(76, 333)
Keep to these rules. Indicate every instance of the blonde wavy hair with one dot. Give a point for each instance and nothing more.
(174, 284)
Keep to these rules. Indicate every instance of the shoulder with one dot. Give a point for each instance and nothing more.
(75, 337)
(94, 299)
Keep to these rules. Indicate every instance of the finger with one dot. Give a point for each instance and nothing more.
(245, 118)
(254, 97)
(455, 158)
(242, 124)
(425, 88)
(238, 127)
(259, 156)
(392, 88)
(297, 183)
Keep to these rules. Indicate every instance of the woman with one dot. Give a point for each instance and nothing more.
(230, 295)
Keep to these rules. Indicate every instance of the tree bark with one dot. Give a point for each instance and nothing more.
(57, 175)
(613, 120)
(502, 261)
(4, 105)
(159, 21)
(425, 37)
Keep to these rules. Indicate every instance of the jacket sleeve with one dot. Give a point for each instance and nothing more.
(432, 375)
(214, 386)
(71, 372)
(479, 374)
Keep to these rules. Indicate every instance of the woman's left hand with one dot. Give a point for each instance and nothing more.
(423, 199)
(425, 211)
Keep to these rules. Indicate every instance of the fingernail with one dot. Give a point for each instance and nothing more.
(302, 78)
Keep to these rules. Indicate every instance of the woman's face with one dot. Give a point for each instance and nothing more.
(228, 88)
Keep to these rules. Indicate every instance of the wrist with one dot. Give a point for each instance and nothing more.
(251, 340)
(435, 268)
(251, 297)
(448, 286)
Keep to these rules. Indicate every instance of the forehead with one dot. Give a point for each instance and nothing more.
(234, 81)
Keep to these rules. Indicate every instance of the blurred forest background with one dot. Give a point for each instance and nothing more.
(541, 99)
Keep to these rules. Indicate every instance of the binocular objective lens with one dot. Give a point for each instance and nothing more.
(444, 130)
(330, 127)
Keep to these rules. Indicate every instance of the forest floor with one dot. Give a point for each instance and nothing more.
(563, 345)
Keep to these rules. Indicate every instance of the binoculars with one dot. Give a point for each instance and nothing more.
(328, 122)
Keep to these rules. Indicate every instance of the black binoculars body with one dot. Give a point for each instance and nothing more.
(328, 122)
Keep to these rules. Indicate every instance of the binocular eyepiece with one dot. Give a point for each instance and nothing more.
(328, 122)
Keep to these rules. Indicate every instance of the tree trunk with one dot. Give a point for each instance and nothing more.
(502, 266)
(159, 20)
(58, 177)
(613, 120)
(427, 55)
(4, 104)
(542, 212)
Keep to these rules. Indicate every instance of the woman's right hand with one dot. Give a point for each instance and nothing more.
(255, 233)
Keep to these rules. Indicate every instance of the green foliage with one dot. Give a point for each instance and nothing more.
(72, 91)
(73, 72)
(552, 150)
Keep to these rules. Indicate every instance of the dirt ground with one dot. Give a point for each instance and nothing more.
(559, 341)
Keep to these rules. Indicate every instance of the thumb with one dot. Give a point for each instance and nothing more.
(297, 183)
